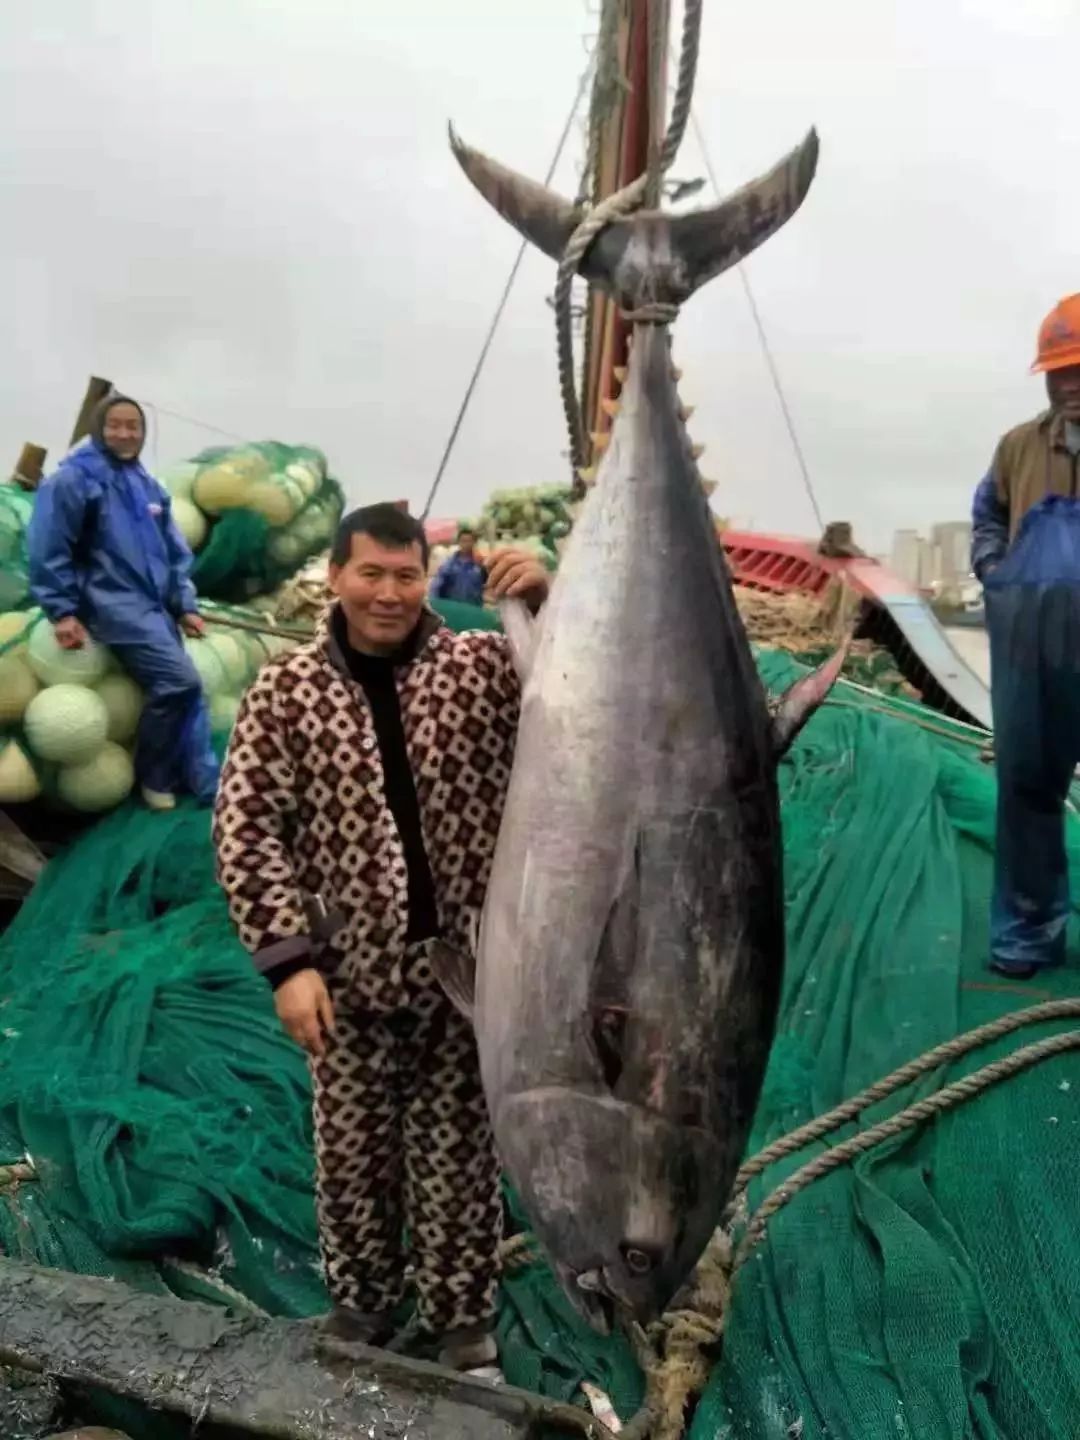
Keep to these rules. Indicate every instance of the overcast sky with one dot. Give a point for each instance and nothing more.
(245, 211)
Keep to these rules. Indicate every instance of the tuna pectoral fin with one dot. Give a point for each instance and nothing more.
(456, 973)
(794, 708)
(521, 631)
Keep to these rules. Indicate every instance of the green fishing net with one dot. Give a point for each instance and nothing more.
(927, 1292)
(16, 506)
(460, 616)
(143, 1071)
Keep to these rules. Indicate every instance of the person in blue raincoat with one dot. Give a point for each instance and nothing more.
(461, 576)
(1026, 552)
(106, 560)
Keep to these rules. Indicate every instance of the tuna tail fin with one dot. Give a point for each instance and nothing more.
(542, 216)
(708, 242)
(650, 256)
(795, 706)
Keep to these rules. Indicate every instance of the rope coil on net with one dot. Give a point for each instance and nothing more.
(953, 1049)
(677, 1353)
(616, 207)
(952, 1095)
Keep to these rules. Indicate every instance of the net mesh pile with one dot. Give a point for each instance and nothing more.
(928, 1291)
(143, 1072)
(16, 506)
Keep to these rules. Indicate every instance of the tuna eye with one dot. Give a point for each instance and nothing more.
(637, 1262)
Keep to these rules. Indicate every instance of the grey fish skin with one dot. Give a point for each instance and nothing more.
(632, 944)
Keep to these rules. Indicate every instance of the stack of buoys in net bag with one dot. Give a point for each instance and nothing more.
(228, 659)
(253, 514)
(68, 717)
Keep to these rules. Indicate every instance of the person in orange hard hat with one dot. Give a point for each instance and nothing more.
(1026, 551)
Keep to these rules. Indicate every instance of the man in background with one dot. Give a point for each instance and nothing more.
(461, 576)
(1026, 552)
(108, 563)
(355, 827)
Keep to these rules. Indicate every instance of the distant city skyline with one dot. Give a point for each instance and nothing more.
(940, 557)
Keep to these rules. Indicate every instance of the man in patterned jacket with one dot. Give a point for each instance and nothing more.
(355, 823)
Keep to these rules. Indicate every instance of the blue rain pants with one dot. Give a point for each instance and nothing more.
(173, 750)
(1033, 619)
(103, 546)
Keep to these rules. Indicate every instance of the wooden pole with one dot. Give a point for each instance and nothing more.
(96, 390)
(29, 467)
(601, 311)
(624, 156)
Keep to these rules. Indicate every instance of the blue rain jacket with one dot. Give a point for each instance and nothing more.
(1032, 598)
(989, 526)
(460, 578)
(103, 546)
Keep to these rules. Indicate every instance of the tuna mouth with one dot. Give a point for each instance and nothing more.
(599, 1311)
(588, 1293)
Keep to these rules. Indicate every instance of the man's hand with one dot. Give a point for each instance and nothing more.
(193, 625)
(518, 575)
(70, 633)
(305, 1009)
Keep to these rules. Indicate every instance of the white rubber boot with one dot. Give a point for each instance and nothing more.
(158, 800)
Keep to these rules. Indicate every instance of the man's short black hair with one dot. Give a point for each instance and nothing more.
(394, 528)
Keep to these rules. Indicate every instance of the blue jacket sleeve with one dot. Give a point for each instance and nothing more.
(55, 527)
(182, 594)
(989, 526)
(437, 587)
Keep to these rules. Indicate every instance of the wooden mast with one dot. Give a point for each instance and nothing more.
(96, 390)
(623, 156)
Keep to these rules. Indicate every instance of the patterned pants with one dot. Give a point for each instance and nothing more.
(403, 1142)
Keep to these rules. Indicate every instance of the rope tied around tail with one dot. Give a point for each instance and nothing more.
(656, 312)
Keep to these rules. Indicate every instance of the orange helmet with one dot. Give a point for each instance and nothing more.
(1059, 336)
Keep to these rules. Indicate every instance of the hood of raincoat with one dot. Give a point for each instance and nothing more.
(97, 424)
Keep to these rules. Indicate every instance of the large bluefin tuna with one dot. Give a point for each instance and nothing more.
(632, 944)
